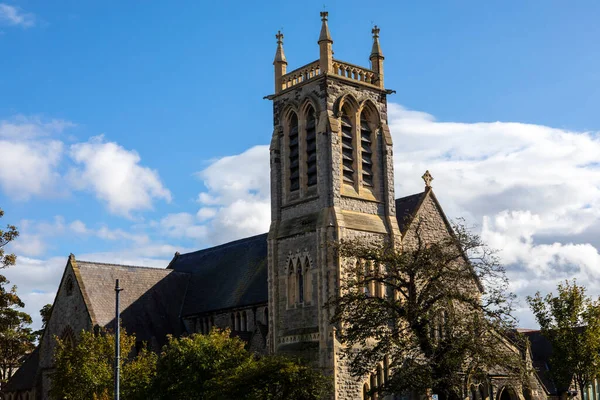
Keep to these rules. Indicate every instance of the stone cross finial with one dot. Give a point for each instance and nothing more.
(375, 32)
(324, 15)
(427, 178)
(279, 37)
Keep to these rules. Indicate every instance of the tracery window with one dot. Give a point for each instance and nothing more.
(294, 153)
(299, 281)
(300, 276)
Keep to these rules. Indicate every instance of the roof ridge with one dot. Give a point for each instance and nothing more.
(224, 245)
(121, 265)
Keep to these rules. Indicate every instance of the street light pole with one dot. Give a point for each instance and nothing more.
(117, 340)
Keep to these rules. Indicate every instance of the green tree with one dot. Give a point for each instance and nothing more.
(192, 367)
(275, 378)
(433, 315)
(45, 313)
(7, 236)
(84, 370)
(16, 336)
(16, 339)
(571, 322)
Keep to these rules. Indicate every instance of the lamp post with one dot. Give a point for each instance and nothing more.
(117, 339)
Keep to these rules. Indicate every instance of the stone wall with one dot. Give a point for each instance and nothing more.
(69, 315)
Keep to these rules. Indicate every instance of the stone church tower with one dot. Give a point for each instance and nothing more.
(332, 178)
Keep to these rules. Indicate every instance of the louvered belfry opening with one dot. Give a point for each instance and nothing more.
(294, 154)
(311, 148)
(366, 151)
(347, 149)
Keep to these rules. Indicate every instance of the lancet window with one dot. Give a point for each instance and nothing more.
(347, 148)
(299, 284)
(311, 147)
(366, 150)
(294, 153)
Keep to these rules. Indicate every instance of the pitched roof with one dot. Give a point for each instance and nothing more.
(150, 301)
(24, 378)
(235, 274)
(541, 350)
(406, 209)
(226, 276)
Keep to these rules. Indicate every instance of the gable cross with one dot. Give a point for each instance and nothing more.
(427, 178)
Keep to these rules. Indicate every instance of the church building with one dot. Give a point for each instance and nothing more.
(332, 178)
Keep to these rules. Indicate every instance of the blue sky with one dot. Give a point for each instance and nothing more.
(499, 97)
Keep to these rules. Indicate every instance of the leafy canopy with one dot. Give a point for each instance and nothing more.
(438, 309)
(84, 370)
(570, 320)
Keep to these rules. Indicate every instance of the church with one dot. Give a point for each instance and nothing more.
(332, 178)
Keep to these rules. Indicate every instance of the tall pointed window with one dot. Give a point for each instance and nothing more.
(311, 147)
(294, 153)
(291, 284)
(347, 148)
(300, 284)
(366, 151)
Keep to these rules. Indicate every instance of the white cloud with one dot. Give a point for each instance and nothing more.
(78, 227)
(115, 175)
(182, 225)
(29, 168)
(29, 157)
(534, 190)
(239, 195)
(11, 15)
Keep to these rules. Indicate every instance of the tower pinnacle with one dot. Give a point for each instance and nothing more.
(279, 55)
(280, 62)
(325, 49)
(376, 57)
(325, 35)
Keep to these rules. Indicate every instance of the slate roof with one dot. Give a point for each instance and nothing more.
(226, 276)
(150, 302)
(406, 209)
(24, 378)
(541, 350)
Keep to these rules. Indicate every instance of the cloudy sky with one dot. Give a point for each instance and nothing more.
(129, 132)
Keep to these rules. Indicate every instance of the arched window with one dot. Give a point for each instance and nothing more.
(69, 286)
(366, 150)
(294, 153)
(366, 273)
(347, 148)
(373, 386)
(366, 392)
(233, 322)
(311, 147)
(238, 325)
(379, 376)
(386, 369)
(206, 325)
(308, 289)
(244, 322)
(291, 284)
(266, 316)
(300, 284)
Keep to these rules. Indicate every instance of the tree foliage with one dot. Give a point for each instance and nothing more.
(16, 336)
(571, 322)
(45, 313)
(275, 378)
(190, 367)
(7, 236)
(216, 366)
(438, 309)
(84, 370)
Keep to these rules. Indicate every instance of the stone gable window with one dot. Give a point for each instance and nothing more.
(69, 286)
